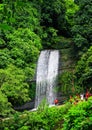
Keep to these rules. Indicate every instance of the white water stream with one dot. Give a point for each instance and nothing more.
(46, 77)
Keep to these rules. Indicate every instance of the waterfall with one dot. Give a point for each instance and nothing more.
(47, 71)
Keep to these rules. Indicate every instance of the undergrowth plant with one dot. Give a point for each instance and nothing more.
(79, 117)
(47, 119)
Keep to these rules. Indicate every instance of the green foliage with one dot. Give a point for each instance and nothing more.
(52, 19)
(47, 119)
(20, 14)
(5, 106)
(43, 105)
(84, 70)
(24, 46)
(68, 84)
(1, 6)
(13, 85)
(66, 81)
(20, 45)
(51, 12)
(32, 89)
(71, 9)
(82, 29)
(4, 58)
(49, 38)
(79, 116)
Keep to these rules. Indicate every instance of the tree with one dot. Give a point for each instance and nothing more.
(20, 45)
(82, 30)
(52, 20)
(13, 85)
(84, 70)
(71, 9)
(5, 106)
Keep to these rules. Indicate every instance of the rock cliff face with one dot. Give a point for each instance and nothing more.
(66, 64)
(26, 106)
(66, 60)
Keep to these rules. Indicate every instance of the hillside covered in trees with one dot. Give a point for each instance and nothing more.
(29, 26)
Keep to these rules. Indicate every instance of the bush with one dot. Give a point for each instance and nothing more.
(79, 116)
(5, 106)
(47, 119)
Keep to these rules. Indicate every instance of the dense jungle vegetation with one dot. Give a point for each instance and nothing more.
(26, 28)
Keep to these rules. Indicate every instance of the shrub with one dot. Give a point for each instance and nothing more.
(47, 119)
(79, 116)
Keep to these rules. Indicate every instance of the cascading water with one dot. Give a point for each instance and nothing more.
(47, 71)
